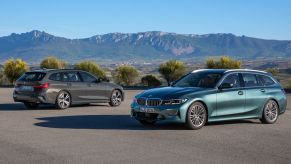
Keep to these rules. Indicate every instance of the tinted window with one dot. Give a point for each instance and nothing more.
(232, 79)
(250, 80)
(71, 77)
(56, 77)
(87, 77)
(32, 76)
(265, 80)
(199, 79)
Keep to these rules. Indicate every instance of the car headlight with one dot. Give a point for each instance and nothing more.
(174, 101)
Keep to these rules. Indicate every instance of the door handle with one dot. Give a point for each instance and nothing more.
(240, 92)
(262, 90)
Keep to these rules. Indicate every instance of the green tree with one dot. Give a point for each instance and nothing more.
(126, 75)
(150, 81)
(52, 63)
(224, 62)
(2, 77)
(13, 69)
(273, 71)
(93, 68)
(172, 70)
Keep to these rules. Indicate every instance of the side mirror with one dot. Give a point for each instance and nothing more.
(225, 86)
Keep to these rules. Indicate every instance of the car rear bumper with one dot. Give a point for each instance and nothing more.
(34, 98)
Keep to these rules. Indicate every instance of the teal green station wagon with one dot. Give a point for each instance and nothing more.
(210, 95)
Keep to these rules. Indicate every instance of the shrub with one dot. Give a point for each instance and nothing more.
(13, 69)
(172, 70)
(224, 62)
(93, 68)
(52, 63)
(273, 71)
(126, 75)
(150, 81)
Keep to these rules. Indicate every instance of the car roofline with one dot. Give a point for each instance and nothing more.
(53, 70)
(245, 70)
(230, 70)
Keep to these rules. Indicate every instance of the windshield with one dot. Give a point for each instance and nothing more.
(199, 79)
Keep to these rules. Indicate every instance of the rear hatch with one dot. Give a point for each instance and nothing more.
(30, 83)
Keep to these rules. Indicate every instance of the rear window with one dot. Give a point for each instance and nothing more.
(265, 80)
(32, 76)
(250, 80)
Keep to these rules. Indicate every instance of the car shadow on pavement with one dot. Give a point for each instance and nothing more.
(111, 122)
(20, 106)
(115, 122)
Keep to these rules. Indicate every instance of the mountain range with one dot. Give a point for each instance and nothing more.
(35, 45)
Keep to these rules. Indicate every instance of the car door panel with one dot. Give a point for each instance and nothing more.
(95, 90)
(255, 98)
(75, 86)
(230, 101)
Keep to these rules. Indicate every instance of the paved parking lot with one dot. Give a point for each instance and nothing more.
(102, 134)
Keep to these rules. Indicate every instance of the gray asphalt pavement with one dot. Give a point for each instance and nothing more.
(102, 134)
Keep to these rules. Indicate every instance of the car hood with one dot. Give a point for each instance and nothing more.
(170, 92)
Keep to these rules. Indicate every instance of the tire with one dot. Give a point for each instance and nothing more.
(147, 122)
(63, 100)
(270, 112)
(29, 105)
(196, 116)
(115, 98)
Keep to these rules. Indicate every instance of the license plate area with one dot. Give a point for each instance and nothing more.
(147, 110)
(25, 89)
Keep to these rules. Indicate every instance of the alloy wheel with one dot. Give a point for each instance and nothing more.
(64, 100)
(197, 115)
(116, 98)
(271, 111)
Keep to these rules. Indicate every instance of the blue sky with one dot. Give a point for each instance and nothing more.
(270, 19)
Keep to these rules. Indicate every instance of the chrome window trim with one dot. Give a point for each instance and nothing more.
(246, 72)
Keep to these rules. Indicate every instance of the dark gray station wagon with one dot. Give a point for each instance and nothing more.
(64, 88)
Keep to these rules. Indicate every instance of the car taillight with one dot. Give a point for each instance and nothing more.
(42, 86)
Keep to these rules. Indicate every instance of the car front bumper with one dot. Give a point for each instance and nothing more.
(158, 113)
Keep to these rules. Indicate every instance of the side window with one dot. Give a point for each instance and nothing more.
(87, 77)
(71, 77)
(232, 79)
(265, 80)
(250, 80)
(56, 77)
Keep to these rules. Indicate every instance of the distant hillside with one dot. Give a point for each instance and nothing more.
(35, 45)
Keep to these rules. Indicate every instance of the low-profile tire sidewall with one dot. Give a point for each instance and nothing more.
(189, 123)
